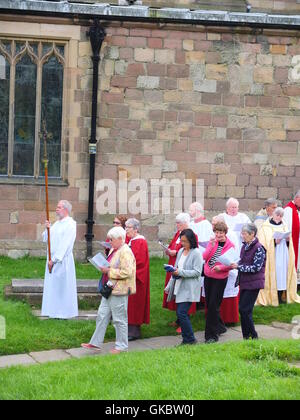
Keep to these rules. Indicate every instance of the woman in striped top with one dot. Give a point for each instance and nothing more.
(215, 280)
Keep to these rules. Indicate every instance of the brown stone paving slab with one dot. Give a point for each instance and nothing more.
(80, 352)
(15, 360)
(50, 356)
(162, 342)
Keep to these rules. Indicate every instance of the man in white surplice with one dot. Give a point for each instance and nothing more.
(60, 289)
(234, 219)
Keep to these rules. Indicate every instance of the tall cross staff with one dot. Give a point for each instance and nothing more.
(44, 135)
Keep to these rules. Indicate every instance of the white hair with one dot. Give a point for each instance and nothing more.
(183, 218)
(134, 223)
(279, 211)
(218, 218)
(232, 200)
(67, 205)
(116, 233)
(198, 207)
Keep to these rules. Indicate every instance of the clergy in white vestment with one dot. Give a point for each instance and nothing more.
(234, 219)
(60, 289)
(280, 273)
(292, 219)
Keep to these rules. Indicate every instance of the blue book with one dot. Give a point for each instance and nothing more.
(169, 268)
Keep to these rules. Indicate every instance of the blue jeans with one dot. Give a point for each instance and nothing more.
(185, 323)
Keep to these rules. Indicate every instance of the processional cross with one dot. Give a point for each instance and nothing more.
(45, 136)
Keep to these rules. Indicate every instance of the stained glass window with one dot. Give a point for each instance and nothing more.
(25, 106)
(4, 113)
(31, 91)
(52, 89)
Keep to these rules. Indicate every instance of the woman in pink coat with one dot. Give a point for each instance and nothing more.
(215, 280)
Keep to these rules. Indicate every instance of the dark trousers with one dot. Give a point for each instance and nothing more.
(185, 322)
(214, 291)
(246, 306)
(134, 331)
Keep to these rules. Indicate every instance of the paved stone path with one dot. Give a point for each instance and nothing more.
(274, 331)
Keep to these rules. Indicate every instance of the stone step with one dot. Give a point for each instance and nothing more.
(37, 286)
(31, 291)
(82, 315)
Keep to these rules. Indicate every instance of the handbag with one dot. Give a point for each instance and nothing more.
(106, 290)
(170, 288)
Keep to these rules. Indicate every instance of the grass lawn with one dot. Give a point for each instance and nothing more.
(26, 333)
(244, 370)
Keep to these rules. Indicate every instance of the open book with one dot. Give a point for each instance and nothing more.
(99, 261)
(238, 227)
(231, 256)
(281, 235)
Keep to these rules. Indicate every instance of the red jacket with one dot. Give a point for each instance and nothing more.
(209, 253)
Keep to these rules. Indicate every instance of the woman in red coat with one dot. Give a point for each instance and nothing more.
(182, 223)
(138, 304)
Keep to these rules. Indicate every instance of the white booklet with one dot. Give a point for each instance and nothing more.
(231, 256)
(99, 261)
(238, 227)
(281, 235)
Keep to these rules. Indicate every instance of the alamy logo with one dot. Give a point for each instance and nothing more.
(2, 328)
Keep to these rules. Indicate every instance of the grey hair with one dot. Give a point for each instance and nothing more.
(271, 201)
(250, 228)
(232, 200)
(134, 223)
(279, 211)
(219, 218)
(67, 205)
(183, 218)
(116, 233)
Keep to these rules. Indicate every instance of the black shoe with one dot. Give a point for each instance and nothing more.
(211, 341)
(132, 338)
(222, 331)
(188, 344)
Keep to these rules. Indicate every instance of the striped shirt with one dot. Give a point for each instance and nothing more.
(216, 255)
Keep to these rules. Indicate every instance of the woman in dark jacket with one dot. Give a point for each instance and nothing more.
(251, 269)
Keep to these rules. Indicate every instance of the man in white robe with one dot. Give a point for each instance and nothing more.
(60, 288)
(235, 220)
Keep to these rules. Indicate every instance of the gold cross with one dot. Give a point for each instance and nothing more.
(44, 135)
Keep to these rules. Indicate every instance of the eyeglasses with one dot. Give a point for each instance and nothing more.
(116, 223)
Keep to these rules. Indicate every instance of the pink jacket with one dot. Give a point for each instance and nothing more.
(208, 254)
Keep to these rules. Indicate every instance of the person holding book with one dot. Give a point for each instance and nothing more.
(251, 269)
(139, 303)
(188, 268)
(215, 280)
(280, 275)
(120, 276)
(182, 223)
